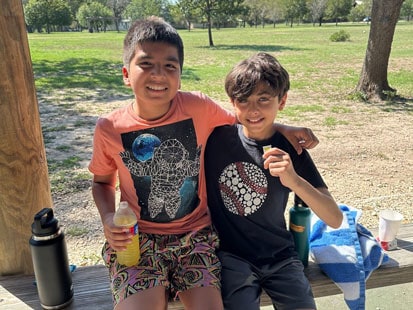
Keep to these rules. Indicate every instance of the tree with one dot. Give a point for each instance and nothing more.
(274, 11)
(294, 9)
(255, 8)
(339, 9)
(407, 9)
(302, 9)
(317, 9)
(47, 13)
(139, 9)
(360, 11)
(213, 8)
(117, 7)
(34, 15)
(94, 15)
(373, 81)
(60, 14)
(189, 11)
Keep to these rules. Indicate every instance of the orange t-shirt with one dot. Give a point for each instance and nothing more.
(160, 163)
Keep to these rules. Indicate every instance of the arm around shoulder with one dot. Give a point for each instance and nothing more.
(300, 137)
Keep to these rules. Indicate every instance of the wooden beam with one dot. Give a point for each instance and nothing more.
(25, 187)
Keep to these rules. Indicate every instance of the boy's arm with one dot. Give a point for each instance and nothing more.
(300, 137)
(280, 165)
(104, 195)
(321, 202)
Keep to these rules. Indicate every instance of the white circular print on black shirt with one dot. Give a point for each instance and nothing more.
(243, 188)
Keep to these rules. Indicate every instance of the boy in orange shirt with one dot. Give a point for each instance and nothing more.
(155, 146)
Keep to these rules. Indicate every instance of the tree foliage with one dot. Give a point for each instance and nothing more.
(339, 9)
(117, 7)
(189, 11)
(51, 15)
(407, 9)
(94, 16)
(218, 11)
(138, 9)
(47, 13)
(317, 10)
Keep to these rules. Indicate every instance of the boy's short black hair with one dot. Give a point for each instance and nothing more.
(152, 29)
(244, 78)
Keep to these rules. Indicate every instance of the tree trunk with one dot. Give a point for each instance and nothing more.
(211, 42)
(373, 81)
(25, 187)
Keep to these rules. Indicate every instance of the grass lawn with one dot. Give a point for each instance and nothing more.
(70, 63)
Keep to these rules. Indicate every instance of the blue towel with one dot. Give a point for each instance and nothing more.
(348, 255)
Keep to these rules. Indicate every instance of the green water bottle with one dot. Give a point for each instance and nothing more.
(300, 225)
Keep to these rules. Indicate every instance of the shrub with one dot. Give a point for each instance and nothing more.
(340, 36)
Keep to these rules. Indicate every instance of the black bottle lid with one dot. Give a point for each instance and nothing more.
(299, 202)
(45, 223)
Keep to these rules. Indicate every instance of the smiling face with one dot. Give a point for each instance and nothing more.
(154, 76)
(258, 87)
(258, 111)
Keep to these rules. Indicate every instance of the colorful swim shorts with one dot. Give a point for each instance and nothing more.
(177, 262)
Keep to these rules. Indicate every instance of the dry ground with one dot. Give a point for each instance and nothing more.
(365, 155)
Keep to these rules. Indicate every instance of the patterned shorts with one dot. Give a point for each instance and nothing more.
(177, 262)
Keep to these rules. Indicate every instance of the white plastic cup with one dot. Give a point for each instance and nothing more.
(389, 225)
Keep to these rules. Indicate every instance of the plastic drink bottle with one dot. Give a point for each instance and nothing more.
(50, 261)
(300, 225)
(125, 217)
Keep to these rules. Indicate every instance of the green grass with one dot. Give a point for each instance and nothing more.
(70, 68)
(72, 62)
(75, 231)
(313, 61)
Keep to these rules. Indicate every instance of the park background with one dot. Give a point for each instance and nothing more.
(365, 147)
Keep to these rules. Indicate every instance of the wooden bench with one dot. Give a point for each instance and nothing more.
(91, 284)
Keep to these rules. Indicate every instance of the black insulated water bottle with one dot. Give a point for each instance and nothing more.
(50, 261)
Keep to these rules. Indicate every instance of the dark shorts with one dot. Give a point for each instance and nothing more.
(284, 282)
(177, 262)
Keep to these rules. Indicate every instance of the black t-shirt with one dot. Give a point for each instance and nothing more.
(247, 204)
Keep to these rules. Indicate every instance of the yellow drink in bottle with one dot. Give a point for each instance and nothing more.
(125, 217)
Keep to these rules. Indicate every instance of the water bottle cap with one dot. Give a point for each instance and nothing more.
(299, 202)
(45, 223)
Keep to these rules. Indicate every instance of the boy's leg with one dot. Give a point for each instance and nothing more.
(287, 285)
(240, 285)
(202, 298)
(148, 279)
(147, 299)
(197, 276)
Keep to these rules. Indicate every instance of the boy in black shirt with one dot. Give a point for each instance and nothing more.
(248, 188)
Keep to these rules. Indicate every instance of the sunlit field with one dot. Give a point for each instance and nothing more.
(65, 62)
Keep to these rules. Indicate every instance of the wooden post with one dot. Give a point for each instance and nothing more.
(24, 183)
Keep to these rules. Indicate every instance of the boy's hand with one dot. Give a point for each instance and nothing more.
(279, 165)
(300, 137)
(117, 237)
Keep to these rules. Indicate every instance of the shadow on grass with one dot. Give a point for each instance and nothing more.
(104, 77)
(397, 104)
(252, 47)
(69, 77)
